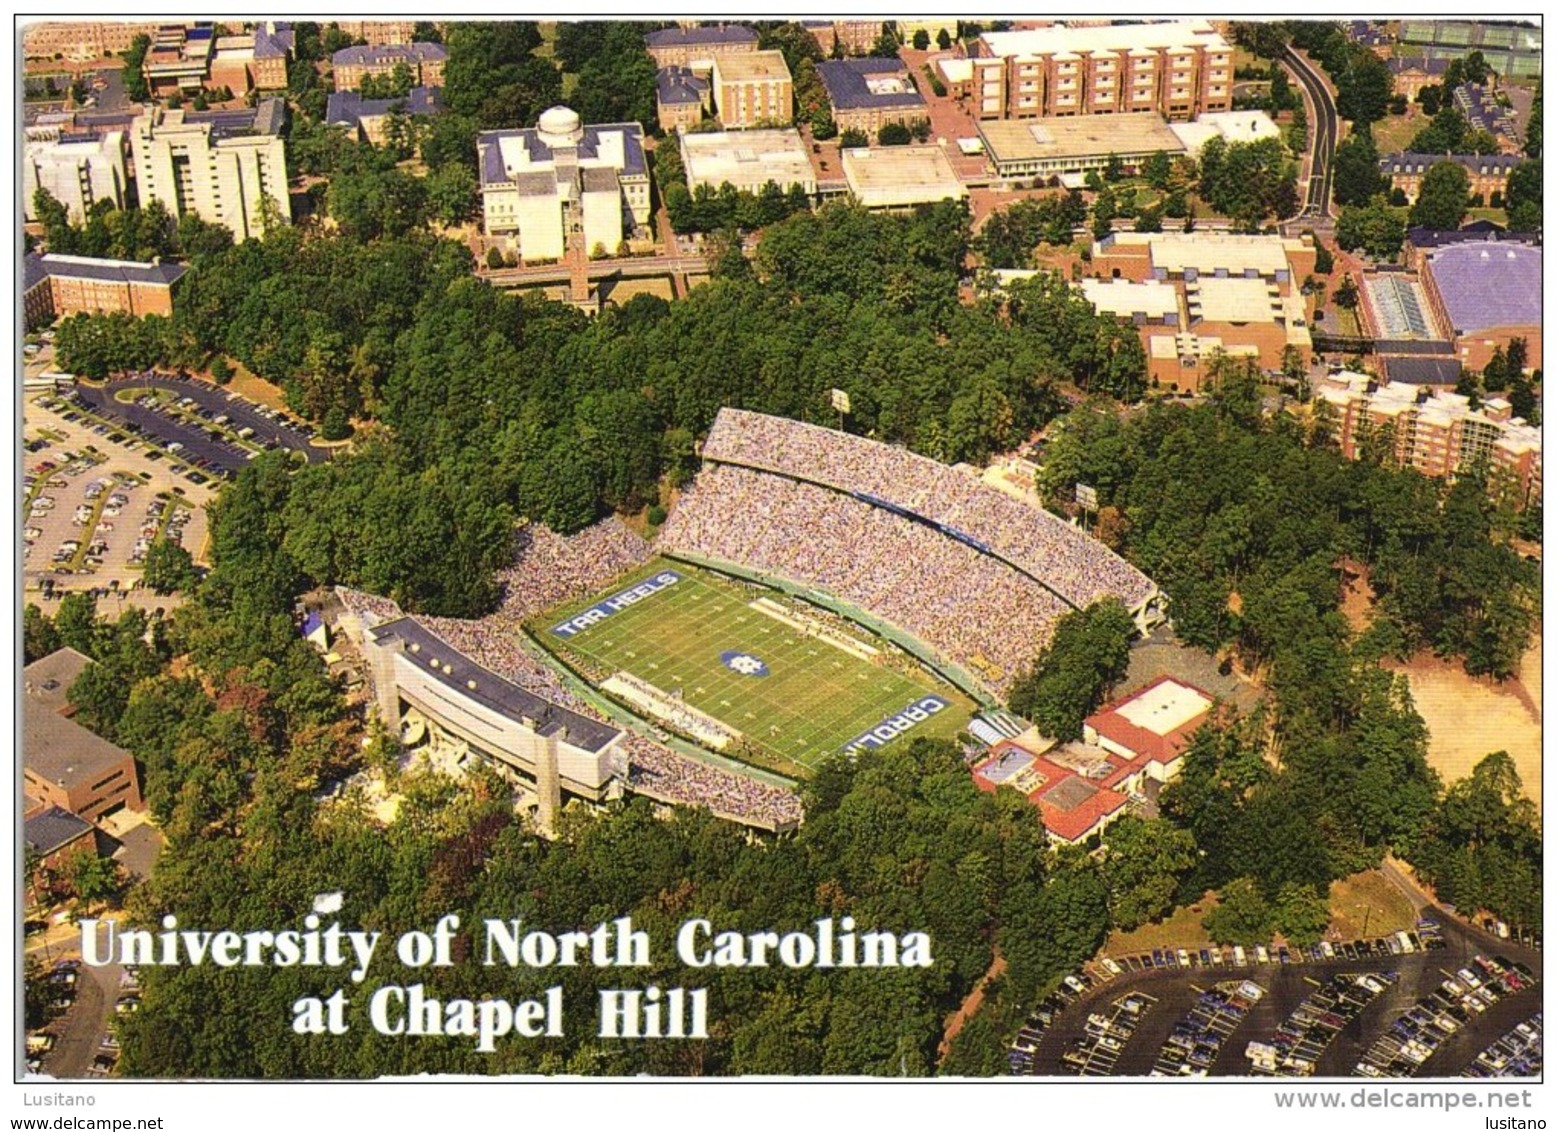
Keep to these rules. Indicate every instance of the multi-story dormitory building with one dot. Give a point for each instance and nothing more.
(1437, 433)
(1177, 69)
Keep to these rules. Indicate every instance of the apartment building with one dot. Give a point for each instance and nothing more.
(753, 89)
(542, 188)
(1436, 432)
(697, 47)
(425, 61)
(1175, 69)
(227, 166)
(78, 170)
(82, 42)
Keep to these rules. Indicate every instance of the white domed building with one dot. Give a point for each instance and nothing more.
(563, 178)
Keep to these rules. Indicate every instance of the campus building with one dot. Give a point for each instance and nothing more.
(753, 89)
(55, 837)
(1434, 431)
(228, 167)
(380, 33)
(866, 94)
(1484, 295)
(681, 98)
(901, 176)
(423, 684)
(368, 118)
(82, 42)
(1242, 126)
(748, 160)
(1486, 172)
(854, 37)
(540, 187)
(1054, 147)
(64, 764)
(696, 47)
(1235, 295)
(1412, 74)
(82, 285)
(77, 169)
(424, 60)
(1127, 752)
(256, 60)
(1174, 69)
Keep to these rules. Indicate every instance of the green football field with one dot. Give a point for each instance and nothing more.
(796, 699)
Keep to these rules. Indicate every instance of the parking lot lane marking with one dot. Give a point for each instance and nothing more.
(1314, 982)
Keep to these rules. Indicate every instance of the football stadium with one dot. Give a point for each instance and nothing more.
(812, 594)
(747, 672)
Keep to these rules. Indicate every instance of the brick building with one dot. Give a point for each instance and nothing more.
(64, 764)
(753, 89)
(696, 47)
(368, 118)
(380, 33)
(1487, 172)
(866, 94)
(681, 98)
(82, 42)
(425, 61)
(856, 37)
(1411, 75)
(79, 284)
(1176, 69)
(1486, 294)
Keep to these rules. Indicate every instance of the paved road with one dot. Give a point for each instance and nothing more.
(197, 442)
(1323, 133)
(79, 1033)
(1287, 986)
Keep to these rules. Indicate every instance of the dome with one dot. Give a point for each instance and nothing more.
(560, 126)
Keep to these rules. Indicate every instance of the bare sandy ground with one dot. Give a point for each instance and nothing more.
(1470, 717)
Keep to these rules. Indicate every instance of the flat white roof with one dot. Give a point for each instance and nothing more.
(747, 159)
(901, 175)
(1122, 298)
(1165, 707)
(1110, 37)
(1233, 300)
(1207, 251)
(1230, 125)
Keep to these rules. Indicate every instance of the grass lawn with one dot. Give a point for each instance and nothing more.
(1369, 901)
(794, 698)
(1182, 929)
(1393, 132)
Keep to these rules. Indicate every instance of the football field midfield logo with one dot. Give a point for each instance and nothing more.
(743, 662)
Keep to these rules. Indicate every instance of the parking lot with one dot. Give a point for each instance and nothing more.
(213, 430)
(1190, 1011)
(94, 505)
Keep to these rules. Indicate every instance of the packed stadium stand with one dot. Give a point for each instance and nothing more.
(978, 576)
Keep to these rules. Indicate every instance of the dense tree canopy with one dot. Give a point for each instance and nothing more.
(1073, 673)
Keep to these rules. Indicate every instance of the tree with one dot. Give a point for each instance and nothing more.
(1524, 197)
(922, 39)
(169, 568)
(1346, 295)
(95, 878)
(854, 139)
(1088, 653)
(893, 133)
(1443, 198)
(39, 637)
(1158, 170)
(943, 40)
(131, 73)
(1241, 916)
(1372, 227)
(1113, 170)
(1430, 98)
(1357, 177)
(1301, 914)
(452, 194)
(1363, 89)
(1142, 865)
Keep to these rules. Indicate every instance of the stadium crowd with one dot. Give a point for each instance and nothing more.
(1064, 559)
(966, 605)
(550, 569)
(653, 769)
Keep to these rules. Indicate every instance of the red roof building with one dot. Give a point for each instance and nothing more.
(1080, 788)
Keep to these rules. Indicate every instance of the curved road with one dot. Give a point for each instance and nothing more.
(1323, 133)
